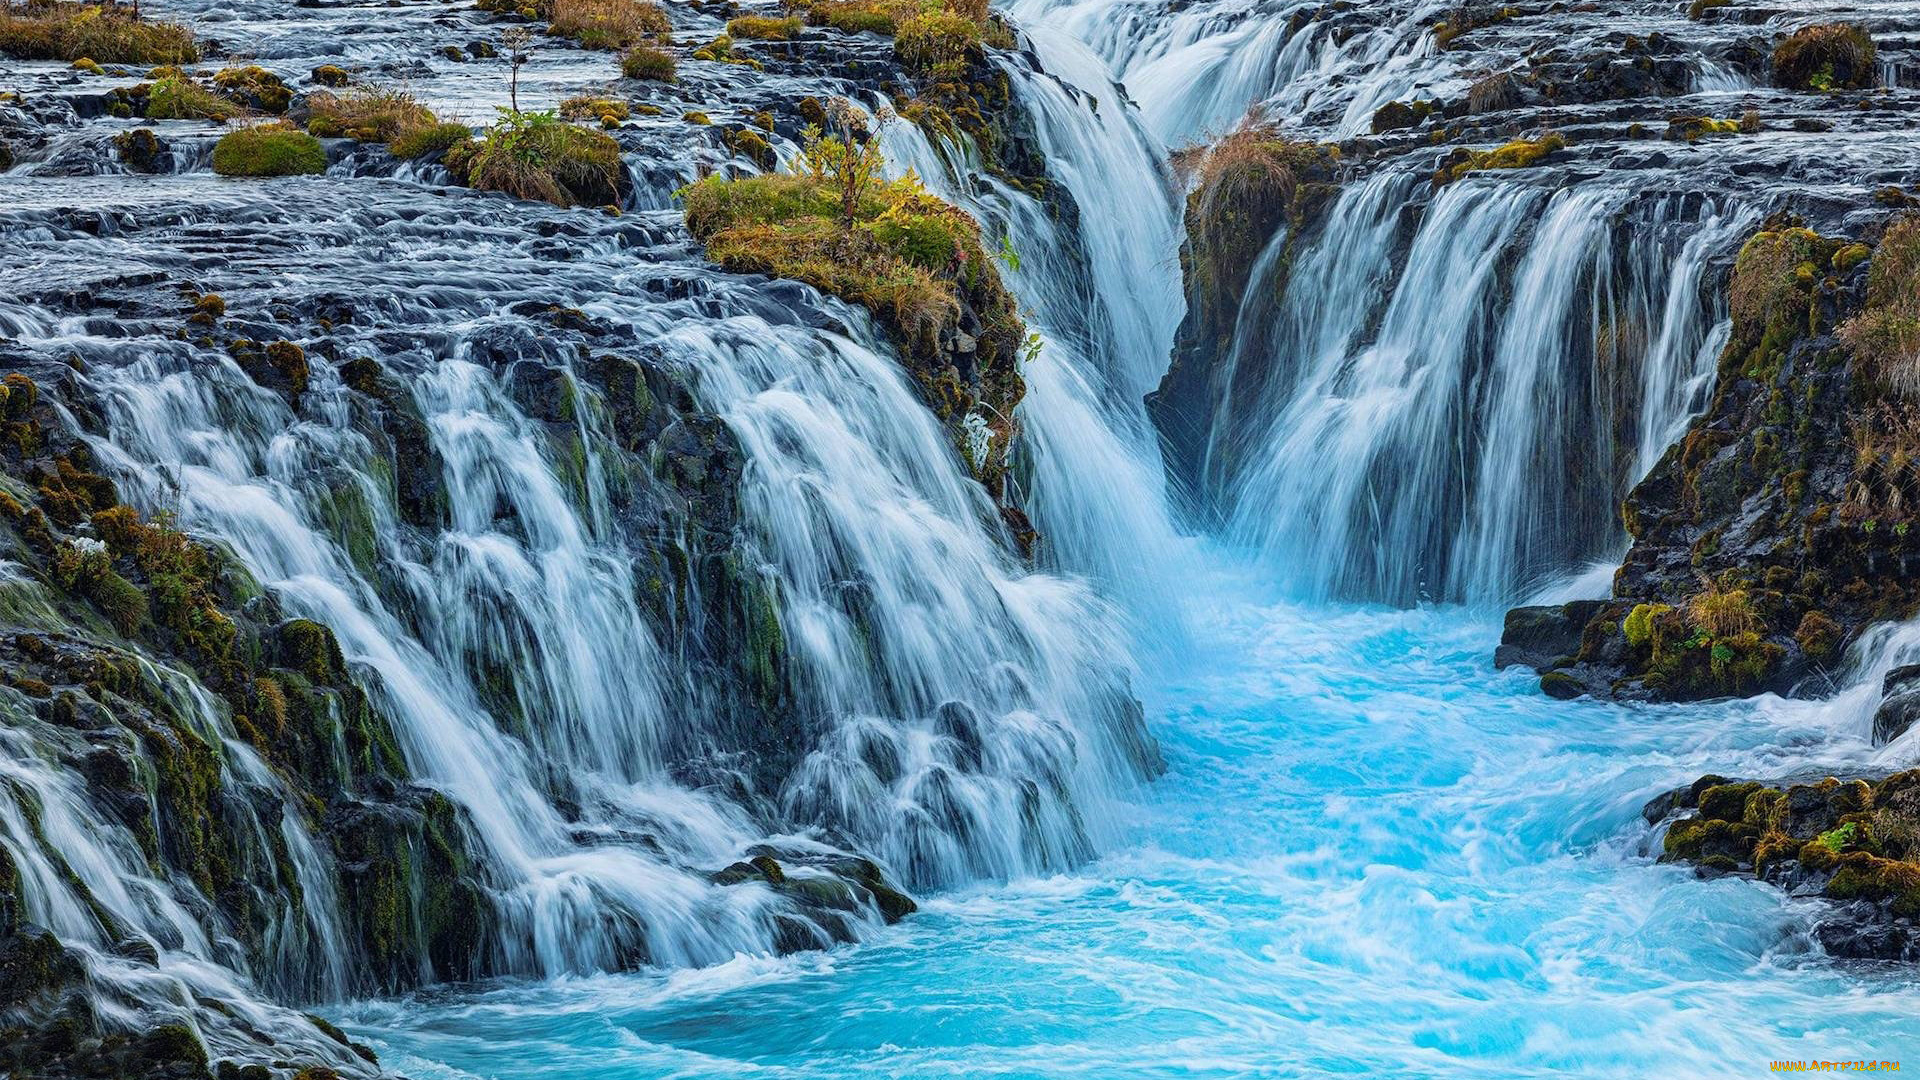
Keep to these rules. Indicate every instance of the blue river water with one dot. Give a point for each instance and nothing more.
(1371, 854)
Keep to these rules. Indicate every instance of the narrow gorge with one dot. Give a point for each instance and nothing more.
(600, 538)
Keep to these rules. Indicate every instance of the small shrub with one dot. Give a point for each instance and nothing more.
(540, 156)
(268, 150)
(1834, 56)
(174, 96)
(764, 28)
(938, 44)
(105, 35)
(648, 62)
(608, 24)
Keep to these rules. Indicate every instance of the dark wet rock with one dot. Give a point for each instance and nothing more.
(1855, 843)
(1542, 636)
(1899, 704)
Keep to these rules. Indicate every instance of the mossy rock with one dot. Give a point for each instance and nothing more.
(268, 150)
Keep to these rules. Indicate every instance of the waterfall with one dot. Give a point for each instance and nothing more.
(1102, 295)
(1455, 419)
(941, 708)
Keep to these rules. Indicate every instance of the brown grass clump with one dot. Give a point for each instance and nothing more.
(649, 62)
(765, 28)
(1723, 613)
(175, 96)
(1886, 334)
(51, 30)
(369, 114)
(1834, 56)
(608, 24)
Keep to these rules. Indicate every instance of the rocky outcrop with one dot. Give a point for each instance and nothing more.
(1249, 188)
(1776, 529)
(1855, 843)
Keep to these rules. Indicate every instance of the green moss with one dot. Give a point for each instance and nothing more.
(268, 150)
(1638, 625)
(331, 75)
(1518, 154)
(255, 87)
(1726, 802)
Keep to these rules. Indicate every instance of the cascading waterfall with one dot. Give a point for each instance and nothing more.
(958, 729)
(1516, 333)
(1435, 394)
(1104, 304)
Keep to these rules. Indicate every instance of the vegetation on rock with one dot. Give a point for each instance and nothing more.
(174, 95)
(1773, 532)
(1848, 841)
(537, 155)
(268, 150)
(648, 62)
(1518, 154)
(1832, 56)
(255, 88)
(916, 262)
(764, 27)
(1885, 335)
(106, 34)
(607, 24)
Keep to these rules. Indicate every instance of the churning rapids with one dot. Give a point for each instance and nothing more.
(1367, 852)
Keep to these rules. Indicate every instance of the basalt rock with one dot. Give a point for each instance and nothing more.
(1852, 842)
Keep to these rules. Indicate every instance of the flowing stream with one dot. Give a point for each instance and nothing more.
(1368, 852)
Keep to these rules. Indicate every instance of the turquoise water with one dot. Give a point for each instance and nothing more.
(1370, 854)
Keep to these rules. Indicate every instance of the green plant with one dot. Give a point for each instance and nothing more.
(1836, 840)
(844, 162)
(268, 150)
(537, 155)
